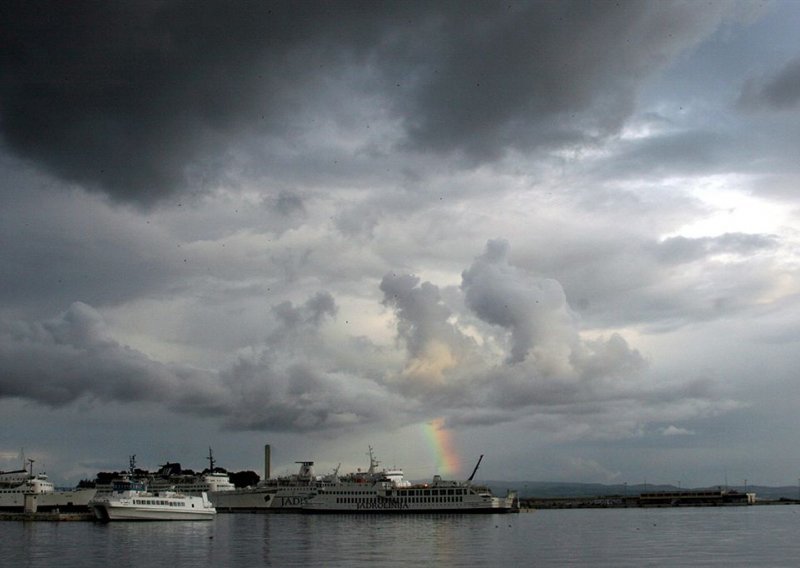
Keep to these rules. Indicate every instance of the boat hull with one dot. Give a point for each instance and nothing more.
(269, 500)
(106, 512)
(411, 511)
(427, 500)
(62, 501)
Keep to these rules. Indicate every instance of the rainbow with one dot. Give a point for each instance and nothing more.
(441, 442)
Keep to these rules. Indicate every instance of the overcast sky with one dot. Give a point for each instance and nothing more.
(570, 231)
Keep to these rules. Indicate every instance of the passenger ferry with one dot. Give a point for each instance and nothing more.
(16, 485)
(131, 501)
(387, 492)
(276, 494)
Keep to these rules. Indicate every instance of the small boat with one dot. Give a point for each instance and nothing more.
(131, 501)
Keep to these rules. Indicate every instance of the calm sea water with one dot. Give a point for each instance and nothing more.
(737, 536)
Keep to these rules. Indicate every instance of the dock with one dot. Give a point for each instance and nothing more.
(50, 517)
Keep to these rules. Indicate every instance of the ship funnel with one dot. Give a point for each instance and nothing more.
(267, 460)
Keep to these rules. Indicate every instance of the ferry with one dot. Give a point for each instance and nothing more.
(41, 494)
(387, 492)
(276, 495)
(131, 501)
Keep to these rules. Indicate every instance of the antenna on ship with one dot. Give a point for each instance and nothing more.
(476, 468)
(373, 463)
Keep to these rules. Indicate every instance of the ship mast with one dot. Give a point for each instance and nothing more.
(373, 463)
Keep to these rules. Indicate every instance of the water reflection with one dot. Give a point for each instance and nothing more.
(742, 536)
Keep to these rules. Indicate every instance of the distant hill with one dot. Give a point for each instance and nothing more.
(556, 489)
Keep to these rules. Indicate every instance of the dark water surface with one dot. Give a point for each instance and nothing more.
(735, 536)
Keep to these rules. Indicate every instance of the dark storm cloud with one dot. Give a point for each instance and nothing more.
(542, 73)
(139, 99)
(144, 99)
(780, 91)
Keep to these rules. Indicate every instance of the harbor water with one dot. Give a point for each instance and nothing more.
(725, 536)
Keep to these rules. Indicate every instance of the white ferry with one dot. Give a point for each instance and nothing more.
(16, 485)
(387, 492)
(131, 501)
(279, 494)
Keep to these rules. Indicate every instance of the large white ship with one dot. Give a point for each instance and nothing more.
(131, 501)
(276, 495)
(41, 494)
(386, 491)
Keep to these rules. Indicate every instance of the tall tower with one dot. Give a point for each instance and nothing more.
(267, 464)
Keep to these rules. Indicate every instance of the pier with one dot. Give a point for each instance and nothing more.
(48, 516)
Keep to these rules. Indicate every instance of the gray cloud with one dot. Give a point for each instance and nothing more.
(62, 360)
(73, 357)
(535, 74)
(544, 368)
(141, 101)
(678, 250)
(779, 91)
(534, 310)
(299, 380)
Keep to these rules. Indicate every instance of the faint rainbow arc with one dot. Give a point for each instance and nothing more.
(441, 443)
